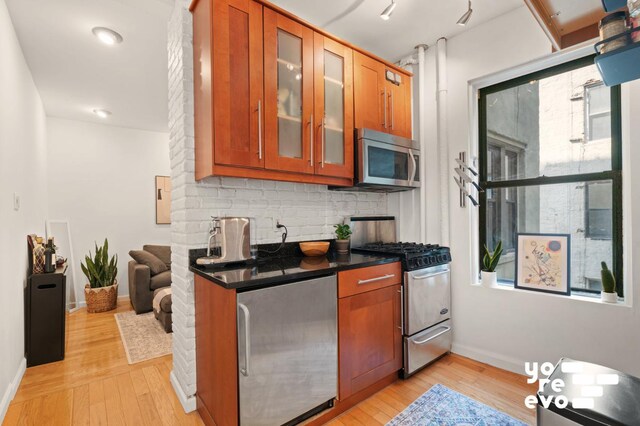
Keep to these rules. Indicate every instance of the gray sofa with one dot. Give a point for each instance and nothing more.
(142, 283)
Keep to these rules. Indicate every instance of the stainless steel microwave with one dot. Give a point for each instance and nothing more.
(385, 162)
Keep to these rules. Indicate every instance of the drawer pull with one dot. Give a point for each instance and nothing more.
(372, 280)
(428, 339)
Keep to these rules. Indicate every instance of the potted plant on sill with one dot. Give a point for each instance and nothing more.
(609, 294)
(101, 293)
(343, 232)
(489, 263)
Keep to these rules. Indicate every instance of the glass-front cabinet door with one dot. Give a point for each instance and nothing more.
(333, 66)
(288, 78)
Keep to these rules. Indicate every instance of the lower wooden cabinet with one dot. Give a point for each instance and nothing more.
(370, 338)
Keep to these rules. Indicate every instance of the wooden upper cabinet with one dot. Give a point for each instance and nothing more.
(381, 104)
(238, 101)
(399, 106)
(288, 80)
(333, 105)
(370, 338)
(370, 94)
(277, 99)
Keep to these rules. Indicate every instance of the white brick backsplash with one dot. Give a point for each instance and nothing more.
(309, 211)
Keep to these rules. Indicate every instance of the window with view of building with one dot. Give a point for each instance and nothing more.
(550, 163)
(598, 208)
(598, 112)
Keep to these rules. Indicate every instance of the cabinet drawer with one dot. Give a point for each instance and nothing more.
(361, 280)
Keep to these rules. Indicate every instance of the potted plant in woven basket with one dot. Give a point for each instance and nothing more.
(101, 293)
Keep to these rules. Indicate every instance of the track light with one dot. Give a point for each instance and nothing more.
(386, 14)
(467, 15)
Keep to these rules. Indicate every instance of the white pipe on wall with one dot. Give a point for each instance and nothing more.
(422, 49)
(443, 136)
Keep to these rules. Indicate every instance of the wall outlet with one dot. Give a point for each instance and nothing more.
(16, 201)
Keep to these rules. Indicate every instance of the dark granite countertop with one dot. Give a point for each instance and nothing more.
(272, 271)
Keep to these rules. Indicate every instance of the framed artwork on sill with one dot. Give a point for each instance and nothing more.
(163, 200)
(543, 263)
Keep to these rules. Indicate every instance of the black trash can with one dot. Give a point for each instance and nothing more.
(45, 309)
(595, 395)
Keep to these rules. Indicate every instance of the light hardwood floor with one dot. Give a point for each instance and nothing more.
(95, 385)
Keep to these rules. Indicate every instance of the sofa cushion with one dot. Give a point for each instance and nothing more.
(165, 301)
(161, 252)
(146, 258)
(163, 279)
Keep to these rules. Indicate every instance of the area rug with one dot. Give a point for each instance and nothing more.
(440, 406)
(142, 336)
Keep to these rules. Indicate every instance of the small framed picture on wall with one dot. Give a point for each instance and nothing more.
(543, 263)
(163, 200)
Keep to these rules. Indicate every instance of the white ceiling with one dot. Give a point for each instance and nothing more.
(75, 73)
(413, 22)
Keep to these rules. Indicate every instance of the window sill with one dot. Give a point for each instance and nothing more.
(574, 297)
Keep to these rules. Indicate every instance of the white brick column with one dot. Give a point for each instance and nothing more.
(180, 51)
(309, 211)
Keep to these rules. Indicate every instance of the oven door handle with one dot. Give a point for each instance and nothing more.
(424, 277)
(428, 339)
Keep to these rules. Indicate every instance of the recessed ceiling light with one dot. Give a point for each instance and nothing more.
(107, 35)
(386, 13)
(102, 113)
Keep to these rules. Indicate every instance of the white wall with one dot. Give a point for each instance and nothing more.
(509, 327)
(23, 169)
(102, 180)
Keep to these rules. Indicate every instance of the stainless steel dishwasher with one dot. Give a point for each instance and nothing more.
(287, 351)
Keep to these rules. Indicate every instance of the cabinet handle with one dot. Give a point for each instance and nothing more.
(311, 139)
(384, 99)
(247, 340)
(391, 104)
(259, 129)
(323, 133)
(371, 280)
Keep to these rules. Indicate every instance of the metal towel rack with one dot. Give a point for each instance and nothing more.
(465, 177)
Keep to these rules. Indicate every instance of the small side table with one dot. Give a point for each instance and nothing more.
(45, 299)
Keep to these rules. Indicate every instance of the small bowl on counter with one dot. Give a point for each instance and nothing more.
(314, 248)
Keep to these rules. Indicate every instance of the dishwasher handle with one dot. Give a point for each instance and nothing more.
(247, 340)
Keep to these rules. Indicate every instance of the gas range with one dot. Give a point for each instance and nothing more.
(414, 255)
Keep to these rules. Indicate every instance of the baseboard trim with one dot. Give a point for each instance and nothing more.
(188, 402)
(11, 390)
(497, 360)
